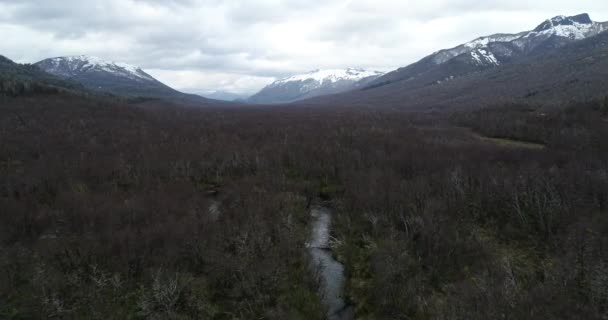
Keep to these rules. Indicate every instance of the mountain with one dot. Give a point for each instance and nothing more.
(313, 84)
(564, 66)
(6, 64)
(494, 50)
(17, 79)
(225, 96)
(120, 79)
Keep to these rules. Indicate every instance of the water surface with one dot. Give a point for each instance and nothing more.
(330, 271)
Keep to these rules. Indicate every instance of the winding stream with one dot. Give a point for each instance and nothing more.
(214, 211)
(330, 271)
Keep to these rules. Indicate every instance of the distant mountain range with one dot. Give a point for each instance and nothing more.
(562, 58)
(116, 78)
(314, 84)
(225, 96)
(495, 50)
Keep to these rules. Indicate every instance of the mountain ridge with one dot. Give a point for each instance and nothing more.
(115, 78)
(225, 96)
(315, 83)
(577, 71)
(71, 66)
(497, 49)
(106, 76)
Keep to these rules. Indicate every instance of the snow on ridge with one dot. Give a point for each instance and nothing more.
(557, 19)
(92, 62)
(484, 41)
(331, 75)
(576, 30)
(573, 28)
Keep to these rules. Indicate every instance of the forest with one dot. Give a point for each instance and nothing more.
(497, 212)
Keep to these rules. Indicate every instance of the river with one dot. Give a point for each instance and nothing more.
(330, 271)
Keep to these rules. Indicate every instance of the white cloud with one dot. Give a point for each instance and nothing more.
(240, 45)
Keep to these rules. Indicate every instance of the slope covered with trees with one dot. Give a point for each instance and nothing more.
(17, 79)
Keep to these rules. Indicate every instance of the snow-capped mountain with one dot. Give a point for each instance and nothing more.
(330, 76)
(106, 76)
(576, 71)
(225, 96)
(74, 66)
(313, 84)
(494, 50)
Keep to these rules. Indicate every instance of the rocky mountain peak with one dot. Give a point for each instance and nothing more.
(581, 19)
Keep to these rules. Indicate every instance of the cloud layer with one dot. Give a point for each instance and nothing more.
(241, 45)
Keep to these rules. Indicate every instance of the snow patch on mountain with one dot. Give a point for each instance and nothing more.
(483, 57)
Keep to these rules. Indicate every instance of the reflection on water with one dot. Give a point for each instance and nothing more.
(214, 210)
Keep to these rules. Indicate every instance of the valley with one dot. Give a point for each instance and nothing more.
(472, 184)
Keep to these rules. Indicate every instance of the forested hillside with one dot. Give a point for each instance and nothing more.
(17, 79)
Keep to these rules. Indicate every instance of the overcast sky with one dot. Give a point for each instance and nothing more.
(241, 45)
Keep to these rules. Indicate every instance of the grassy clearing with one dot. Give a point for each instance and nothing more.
(512, 143)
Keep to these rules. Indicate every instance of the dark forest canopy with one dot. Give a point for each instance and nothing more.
(437, 216)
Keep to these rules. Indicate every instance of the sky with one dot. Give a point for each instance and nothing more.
(239, 46)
